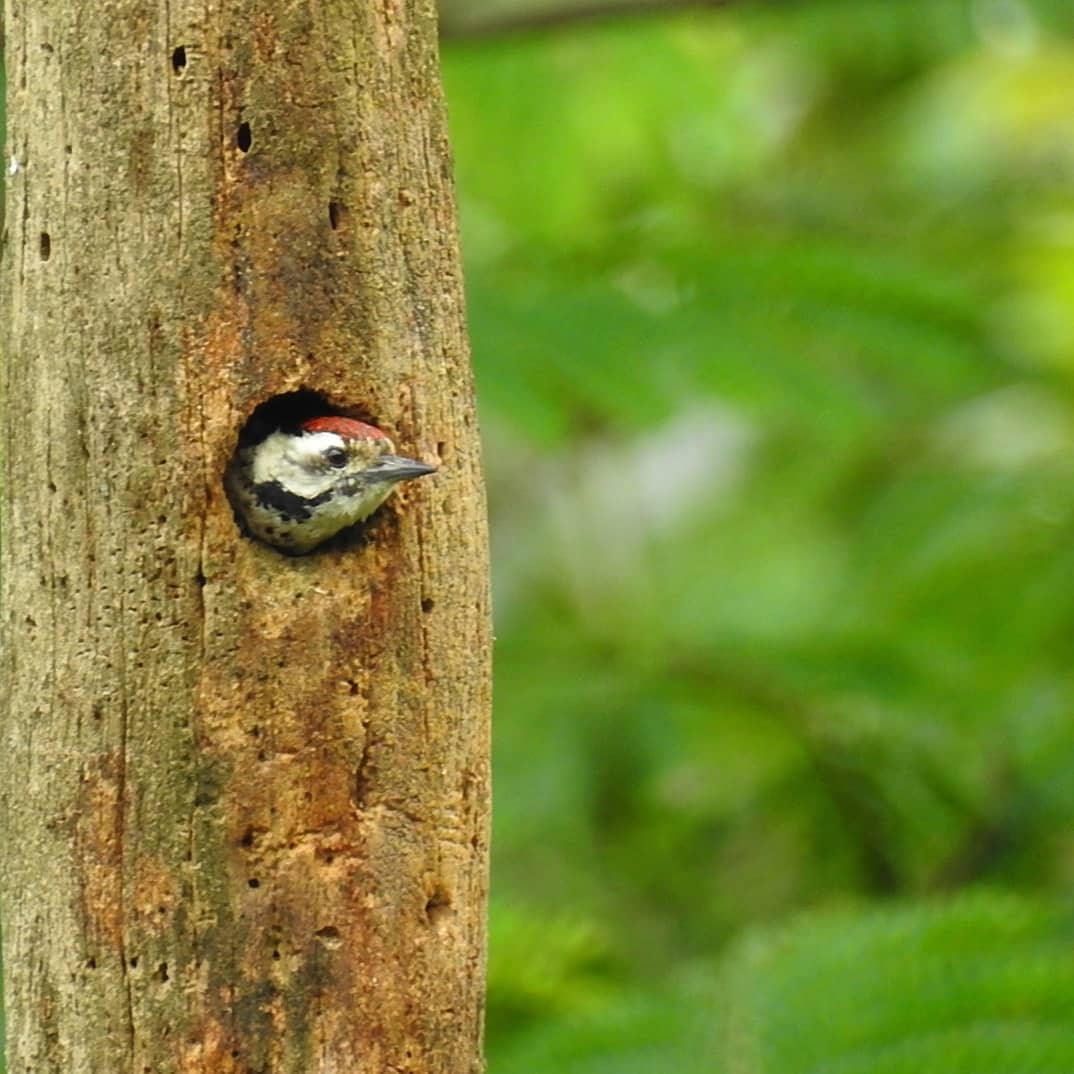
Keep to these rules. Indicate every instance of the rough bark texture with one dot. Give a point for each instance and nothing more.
(244, 796)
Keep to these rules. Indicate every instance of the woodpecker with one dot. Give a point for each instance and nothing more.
(295, 488)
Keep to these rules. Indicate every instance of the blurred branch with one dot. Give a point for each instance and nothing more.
(996, 830)
(456, 22)
(853, 793)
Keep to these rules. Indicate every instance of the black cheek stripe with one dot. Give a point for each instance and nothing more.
(290, 506)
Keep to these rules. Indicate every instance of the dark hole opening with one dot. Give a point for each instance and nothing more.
(179, 59)
(335, 213)
(46, 246)
(438, 906)
(289, 411)
(244, 139)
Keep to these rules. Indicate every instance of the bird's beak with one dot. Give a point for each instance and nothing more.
(395, 468)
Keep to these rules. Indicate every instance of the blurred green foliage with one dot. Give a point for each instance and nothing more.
(773, 317)
(984, 983)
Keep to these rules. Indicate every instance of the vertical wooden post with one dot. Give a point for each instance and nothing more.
(244, 797)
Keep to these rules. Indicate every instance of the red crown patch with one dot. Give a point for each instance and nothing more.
(348, 428)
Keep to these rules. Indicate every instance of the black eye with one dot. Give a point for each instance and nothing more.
(335, 457)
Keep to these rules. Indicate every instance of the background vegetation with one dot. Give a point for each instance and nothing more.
(773, 315)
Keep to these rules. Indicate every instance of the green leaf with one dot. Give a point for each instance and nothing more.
(980, 985)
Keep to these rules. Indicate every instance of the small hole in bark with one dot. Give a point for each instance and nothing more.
(179, 60)
(329, 936)
(363, 776)
(247, 839)
(427, 604)
(244, 139)
(200, 580)
(255, 731)
(253, 882)
(134, 963)
(438, 906)
(275, 955)
(335, 213)
(162, 972)
(91, 963)
(46, 246)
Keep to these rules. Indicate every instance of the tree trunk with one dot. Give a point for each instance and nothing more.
(244, 796)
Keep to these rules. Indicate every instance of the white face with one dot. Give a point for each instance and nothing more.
(312, 464)
(297, 490)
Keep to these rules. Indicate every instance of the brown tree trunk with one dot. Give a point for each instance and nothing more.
(244, 796)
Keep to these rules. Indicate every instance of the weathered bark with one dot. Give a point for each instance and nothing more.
(244, 796)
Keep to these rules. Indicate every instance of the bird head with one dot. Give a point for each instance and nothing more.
(298, 487)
